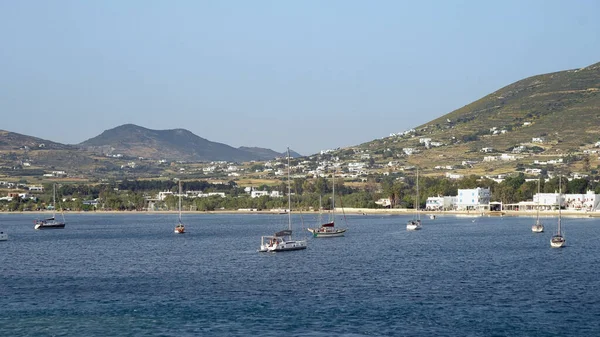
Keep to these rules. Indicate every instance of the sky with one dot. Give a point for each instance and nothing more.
(310, 75)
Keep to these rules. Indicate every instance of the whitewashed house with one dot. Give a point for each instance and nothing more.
(258, 194)
(440, 203)
(473, 199)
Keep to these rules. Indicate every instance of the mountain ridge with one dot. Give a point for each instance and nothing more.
(136, 141)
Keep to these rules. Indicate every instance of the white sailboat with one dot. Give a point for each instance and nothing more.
(538, 227)
(558, 240)
(51, 223)
(415, 224)
(328, 230)
(282, 240)
(180, 228)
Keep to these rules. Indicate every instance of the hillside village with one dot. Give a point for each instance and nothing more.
(354, 166)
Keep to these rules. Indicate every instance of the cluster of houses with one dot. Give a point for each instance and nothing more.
(24, 196)
(189, 194)
(252, 191)
(478, 199)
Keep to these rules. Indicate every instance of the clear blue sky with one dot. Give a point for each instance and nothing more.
(310, 75)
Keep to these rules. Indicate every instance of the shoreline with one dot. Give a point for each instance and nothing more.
(350, 211)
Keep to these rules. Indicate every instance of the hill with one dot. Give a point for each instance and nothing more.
(15, 141)
(550, 115)
(177, 144)
(267, 154)
(557, 106)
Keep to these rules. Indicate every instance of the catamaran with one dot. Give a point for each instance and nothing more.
(282, 240)
(51, 223)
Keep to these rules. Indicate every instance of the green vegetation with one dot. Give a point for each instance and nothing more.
(135, 195)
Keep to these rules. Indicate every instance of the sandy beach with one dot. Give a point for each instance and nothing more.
(349, 211)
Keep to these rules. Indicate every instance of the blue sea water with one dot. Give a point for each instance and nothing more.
(130, 275)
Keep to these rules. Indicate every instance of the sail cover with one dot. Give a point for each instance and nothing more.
(329, 224)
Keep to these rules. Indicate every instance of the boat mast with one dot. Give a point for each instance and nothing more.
(333, 199)
(559, 202)
(417, 201)
(179, 201)
(54, 201)
(538, 204)
(289, 193)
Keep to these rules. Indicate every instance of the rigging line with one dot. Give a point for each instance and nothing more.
(343, 212)
(299, 208)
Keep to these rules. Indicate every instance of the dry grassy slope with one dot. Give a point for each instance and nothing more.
(10, 141)
(564, 107)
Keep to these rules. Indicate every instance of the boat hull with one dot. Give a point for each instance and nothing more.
(179, 230)
(3, 237)
(537, 228)
(49, 226)
(557, 242)
(287, 246)
(328, 233)
(413, 225)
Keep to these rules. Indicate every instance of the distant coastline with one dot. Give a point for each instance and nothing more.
(349, 211)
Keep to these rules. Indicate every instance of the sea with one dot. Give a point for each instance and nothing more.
(130, 275)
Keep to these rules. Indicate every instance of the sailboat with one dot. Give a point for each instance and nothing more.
(538, 227)
(180, 228)
(558, 240)
(50, 223)
(415, 224)
(328, 230)
(282, 240)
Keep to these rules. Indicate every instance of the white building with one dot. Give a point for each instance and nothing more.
(533, 170)
(385, 202)
(163, 195)
(547, 199)
(451, 175)
(36, 188)
(519, 149)
(440, 203)
(473, 199)
(408, 151)
(506, 156)
(356, 167)
(272, 194)
(585, 202)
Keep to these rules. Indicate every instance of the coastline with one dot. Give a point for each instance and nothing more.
(348, 211)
